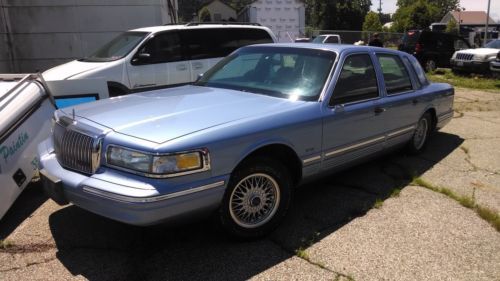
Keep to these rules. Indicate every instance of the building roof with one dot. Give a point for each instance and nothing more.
(468, 17)
(212, 1)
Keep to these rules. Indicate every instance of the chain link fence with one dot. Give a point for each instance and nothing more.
(389, 39)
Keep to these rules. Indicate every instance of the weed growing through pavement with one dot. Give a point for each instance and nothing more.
(378, 203)
(5, 244)
(485, 213)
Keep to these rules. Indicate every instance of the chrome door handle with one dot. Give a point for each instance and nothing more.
(181, 67)
(198, 66)
(379, 110)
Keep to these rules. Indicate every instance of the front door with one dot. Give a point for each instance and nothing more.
(353, 125)
(160, 62)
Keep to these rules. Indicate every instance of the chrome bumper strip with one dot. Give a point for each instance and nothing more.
(354, 146)
(312, 159)
(399, 132)
(128, 199)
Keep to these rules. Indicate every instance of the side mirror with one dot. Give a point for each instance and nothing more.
(199, 77)
(141, 58)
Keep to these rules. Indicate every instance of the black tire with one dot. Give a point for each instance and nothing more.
(430, 65)
(419, 140)
(241, 200)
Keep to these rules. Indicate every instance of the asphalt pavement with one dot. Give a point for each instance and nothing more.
(349, 226)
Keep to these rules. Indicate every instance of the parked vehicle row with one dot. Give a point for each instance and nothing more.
(258, 123)
(476, 60)
(432, 49)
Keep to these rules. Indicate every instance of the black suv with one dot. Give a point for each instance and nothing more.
(432, 49)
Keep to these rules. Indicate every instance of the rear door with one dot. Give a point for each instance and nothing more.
(402, 102)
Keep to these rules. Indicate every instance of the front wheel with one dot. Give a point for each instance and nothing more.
(256, 199)
(421, 135)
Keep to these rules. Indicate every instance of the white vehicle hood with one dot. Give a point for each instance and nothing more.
(480, 51)
(71, 69)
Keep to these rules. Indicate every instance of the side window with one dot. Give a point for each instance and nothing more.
(396, 77)
(168, 47)
(162, 48)
(200, 43)
(357, 80)
(332, 39)
(219, 42)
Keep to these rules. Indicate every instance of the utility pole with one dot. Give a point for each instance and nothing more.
(486, 25)
(379, 7)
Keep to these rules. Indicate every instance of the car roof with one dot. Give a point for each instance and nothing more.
(160, 28)
(339, 48)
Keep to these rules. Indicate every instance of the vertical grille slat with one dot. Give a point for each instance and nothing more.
(74, 150)
(461, 56)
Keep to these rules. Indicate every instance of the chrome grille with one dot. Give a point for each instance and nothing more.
(76, 151)
(461, 56)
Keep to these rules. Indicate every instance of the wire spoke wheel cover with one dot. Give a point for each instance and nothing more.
(421, 133)
(254, 200)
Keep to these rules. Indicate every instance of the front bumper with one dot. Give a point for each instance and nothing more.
(129, 201)
(495, 66)
(470, 66)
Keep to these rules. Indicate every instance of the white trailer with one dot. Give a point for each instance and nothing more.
(27, 104)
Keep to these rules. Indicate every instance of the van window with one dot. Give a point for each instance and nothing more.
(217, 42)
(164, 47)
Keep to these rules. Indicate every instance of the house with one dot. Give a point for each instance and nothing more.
(472, 25)
(286, 18)
(219, 11)
(468, 18)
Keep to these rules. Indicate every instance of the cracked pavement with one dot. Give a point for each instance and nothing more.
(332, 232)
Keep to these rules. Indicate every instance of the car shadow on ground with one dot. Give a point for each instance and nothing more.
(101, 249)
(28, 202)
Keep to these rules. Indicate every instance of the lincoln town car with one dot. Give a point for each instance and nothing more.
(237, 141)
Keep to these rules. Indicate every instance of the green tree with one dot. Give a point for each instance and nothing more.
(444, 6)
(336, 14)
(372, 22)
(452, 26)
(419, 15)
(205, 15)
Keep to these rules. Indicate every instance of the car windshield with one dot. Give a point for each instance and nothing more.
(495, 44)
(117, 48)
(294, 73)
(319, 39)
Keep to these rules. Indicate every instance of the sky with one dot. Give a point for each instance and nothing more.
(389, 6)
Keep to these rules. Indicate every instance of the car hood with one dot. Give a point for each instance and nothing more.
(70, 69)
(480, 51)
(164, 115)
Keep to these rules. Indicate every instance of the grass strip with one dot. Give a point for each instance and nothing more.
(485, 213)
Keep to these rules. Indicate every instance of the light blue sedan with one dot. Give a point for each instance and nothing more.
(260, 122)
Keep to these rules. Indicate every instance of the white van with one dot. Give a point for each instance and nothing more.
(160, 56)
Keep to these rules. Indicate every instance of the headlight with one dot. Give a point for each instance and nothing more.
(479, 57)
(158, 165)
